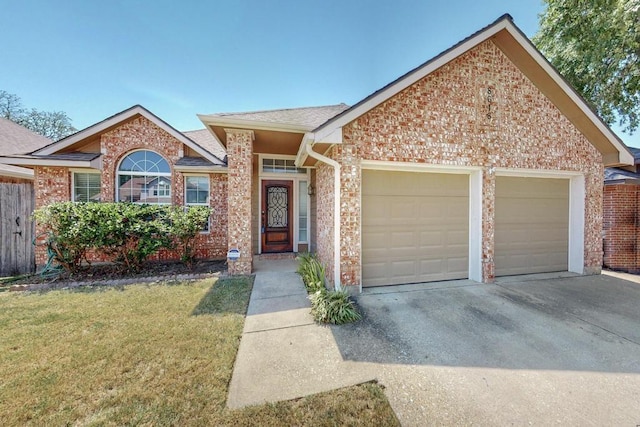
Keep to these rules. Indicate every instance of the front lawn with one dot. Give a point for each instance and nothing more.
(158, 354)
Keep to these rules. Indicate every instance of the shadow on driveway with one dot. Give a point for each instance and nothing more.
(584, 323)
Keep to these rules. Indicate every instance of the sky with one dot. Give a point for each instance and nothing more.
(178, 58)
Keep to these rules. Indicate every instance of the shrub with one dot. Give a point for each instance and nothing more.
(312, 272)
(128, 233)
(69, 232)
(185, 226)
(326, 306)
(333, 307)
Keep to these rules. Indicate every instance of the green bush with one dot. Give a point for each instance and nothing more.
(333, 307)
(312, 272)
(127, 233)
(185, 226)
(326, 306)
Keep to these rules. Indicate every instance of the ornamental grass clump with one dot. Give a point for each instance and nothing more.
(334, 307)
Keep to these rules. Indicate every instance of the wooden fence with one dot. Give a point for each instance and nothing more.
(17, 253)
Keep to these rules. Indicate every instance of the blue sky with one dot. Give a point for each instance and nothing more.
(93, 58)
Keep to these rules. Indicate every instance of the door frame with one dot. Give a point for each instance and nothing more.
(289, 185)
(295, 178)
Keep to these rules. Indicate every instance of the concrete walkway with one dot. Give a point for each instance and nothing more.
(283, 353)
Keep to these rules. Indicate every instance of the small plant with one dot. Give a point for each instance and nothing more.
(312, 272)
(185, 226)
(326, 306)
(333, 307)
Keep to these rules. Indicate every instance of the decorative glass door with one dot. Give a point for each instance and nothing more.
(277, 214)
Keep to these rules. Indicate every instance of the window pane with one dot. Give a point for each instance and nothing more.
(86, 187)
(197, 190)
(302, 211)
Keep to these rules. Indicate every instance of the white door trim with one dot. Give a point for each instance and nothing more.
(475, 203)
(576, 208)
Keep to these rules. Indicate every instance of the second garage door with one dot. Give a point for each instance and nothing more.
(531, 225)
(415, 227)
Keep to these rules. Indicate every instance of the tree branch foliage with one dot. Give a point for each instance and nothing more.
(54, 125)
(595, 45)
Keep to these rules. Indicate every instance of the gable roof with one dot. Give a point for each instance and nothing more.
(519, 49)
(205, 139)
(116, 119)
(301, 119)
(17, 139)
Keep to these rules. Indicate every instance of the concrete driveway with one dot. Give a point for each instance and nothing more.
(540, 350)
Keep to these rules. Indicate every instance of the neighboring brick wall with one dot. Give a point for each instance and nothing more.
(621, 226)
(54, 184)
(446, 118)
(239, 147)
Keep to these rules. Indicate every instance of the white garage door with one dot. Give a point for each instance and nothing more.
(531, 225)
(415, 227)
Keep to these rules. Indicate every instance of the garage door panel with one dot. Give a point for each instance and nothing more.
(414, 227)
(531, 225)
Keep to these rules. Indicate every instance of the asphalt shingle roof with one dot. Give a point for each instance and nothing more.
(194, 161)
(16, 139)
(309, 117)
(206, 140)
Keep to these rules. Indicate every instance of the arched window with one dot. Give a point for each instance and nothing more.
(144, 177)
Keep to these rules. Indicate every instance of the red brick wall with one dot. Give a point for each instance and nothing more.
(54, 184)
(621, 227)
(446, 119)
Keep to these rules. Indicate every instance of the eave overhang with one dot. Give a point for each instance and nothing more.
(519, 49)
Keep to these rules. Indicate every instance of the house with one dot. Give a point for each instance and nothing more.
(479, 163)
(621, 217)
(16, 200)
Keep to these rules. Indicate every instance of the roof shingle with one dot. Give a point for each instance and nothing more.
(16, 139)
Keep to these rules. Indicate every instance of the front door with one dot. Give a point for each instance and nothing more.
(277, 216)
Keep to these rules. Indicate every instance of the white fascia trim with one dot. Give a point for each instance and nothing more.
(17, 172)
(99, 127)
(418, 167)
(48, 162)
(200, 169)
(625, 156)
(411, 79)
(301, 156)
(230, 122)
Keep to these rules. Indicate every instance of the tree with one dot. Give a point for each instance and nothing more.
(596, 46)
(52, 124)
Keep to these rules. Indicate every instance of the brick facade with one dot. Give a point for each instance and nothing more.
(239, 151)
(450, 118)
(621, 226)
(54, 184)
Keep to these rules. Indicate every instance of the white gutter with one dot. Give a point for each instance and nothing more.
(336, 207)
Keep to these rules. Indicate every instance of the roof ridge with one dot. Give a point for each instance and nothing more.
(341, 104)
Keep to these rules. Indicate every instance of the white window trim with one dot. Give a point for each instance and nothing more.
(74, 171)
(208, 204)
(117, 176)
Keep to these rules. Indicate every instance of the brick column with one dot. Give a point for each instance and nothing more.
(488, 225)
(239, 155)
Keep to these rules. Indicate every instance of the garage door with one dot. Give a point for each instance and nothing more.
(415, 227)
(531, 225)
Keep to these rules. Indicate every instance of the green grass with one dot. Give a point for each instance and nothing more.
(157, 354)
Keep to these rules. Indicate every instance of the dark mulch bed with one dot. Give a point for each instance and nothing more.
(110, 272)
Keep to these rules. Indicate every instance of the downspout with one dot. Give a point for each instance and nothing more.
(336, 208)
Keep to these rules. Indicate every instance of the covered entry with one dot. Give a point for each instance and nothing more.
(415, 227)
(531, 225)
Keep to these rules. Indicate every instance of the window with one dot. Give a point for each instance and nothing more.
(86, 187)
(303, 235)
(281, 166)
(197, 193)
(144, 177)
